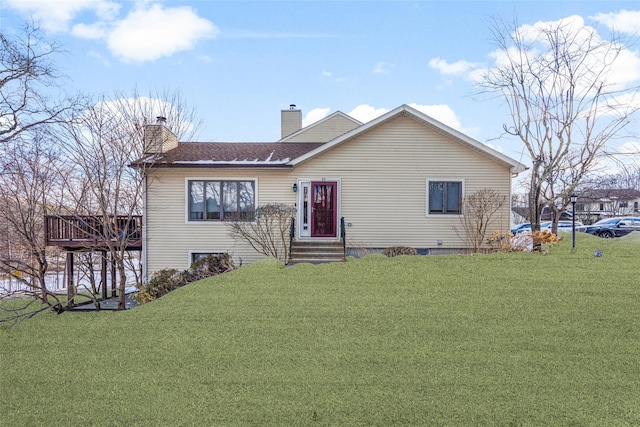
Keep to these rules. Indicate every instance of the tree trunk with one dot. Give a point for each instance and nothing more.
(122, 305)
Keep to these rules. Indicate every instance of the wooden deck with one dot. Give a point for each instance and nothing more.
(73, 232)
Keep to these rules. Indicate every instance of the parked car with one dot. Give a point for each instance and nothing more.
(562, 226)
(521, 228)
(613, 227)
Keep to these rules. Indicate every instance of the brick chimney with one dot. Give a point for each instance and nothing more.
(291, 121)
(158, 138)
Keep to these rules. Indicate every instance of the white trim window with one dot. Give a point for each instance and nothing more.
(220, 200)
(444, 197)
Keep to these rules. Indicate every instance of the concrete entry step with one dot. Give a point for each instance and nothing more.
(316, 251)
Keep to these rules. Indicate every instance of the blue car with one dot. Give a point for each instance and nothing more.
(612, 227)
(521, 228)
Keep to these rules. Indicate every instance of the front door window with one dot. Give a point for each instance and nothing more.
(323, 209)
(318, 208)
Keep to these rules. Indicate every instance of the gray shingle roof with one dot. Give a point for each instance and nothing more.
(236, 154)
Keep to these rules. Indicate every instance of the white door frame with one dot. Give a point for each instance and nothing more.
(305, 206)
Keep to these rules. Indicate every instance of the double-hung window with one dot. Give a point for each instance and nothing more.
(218, 200)
(444, 197)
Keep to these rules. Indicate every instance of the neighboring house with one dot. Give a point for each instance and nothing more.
(397, 180)
(595, 204)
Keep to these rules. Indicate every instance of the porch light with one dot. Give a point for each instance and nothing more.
(294, 187)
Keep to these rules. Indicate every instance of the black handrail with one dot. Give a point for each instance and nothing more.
(292, 233)
(343, 235)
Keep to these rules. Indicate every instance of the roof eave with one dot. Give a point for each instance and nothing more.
(217, 166)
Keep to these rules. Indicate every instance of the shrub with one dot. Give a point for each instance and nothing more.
(164, 281)
(480, 210)
(500, 242)
(268, 233)
(399, 250)
(543, 237)
(208, 266)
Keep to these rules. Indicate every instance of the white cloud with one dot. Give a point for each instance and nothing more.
(455, 68)
(631, 147)
(383, 68)
(94, 31)
(624, 21)
(626, 69)
(620, 72)
(441, 112)
(326, 74)
(150, 33)
(495, 147)
(56, 16)
(365, 113)
(619, 159)
(315, 115)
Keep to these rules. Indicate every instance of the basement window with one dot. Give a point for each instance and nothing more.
(197, 256)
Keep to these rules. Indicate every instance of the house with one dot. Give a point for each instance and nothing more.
(596, 204)
(399, 179)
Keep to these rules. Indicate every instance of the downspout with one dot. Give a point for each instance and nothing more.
(145, 279)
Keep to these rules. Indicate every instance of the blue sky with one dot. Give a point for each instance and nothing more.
(239, 63)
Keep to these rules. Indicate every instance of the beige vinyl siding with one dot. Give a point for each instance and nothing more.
(291, 121)
(171, 238)
(383, 181)
(383, 177)
(325, 131)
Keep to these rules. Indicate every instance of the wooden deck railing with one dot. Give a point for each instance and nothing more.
(74, 232)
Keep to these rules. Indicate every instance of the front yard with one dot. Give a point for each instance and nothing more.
(499, 339)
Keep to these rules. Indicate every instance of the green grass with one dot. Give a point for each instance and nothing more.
(500, 339)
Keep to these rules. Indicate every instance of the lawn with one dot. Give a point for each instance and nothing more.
(498, 339)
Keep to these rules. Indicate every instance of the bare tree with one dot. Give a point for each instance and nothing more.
(29, 187)
(558, 84)
(102, 144)
(268, 234)
(627, 177)
(27, 77)
(480, 209)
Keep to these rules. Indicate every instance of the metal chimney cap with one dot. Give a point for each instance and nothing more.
(161, 120)
(292, 106)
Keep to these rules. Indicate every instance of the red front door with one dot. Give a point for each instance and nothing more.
(324, 196)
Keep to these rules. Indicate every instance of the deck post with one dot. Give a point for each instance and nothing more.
(103, 274)
(70, 287)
